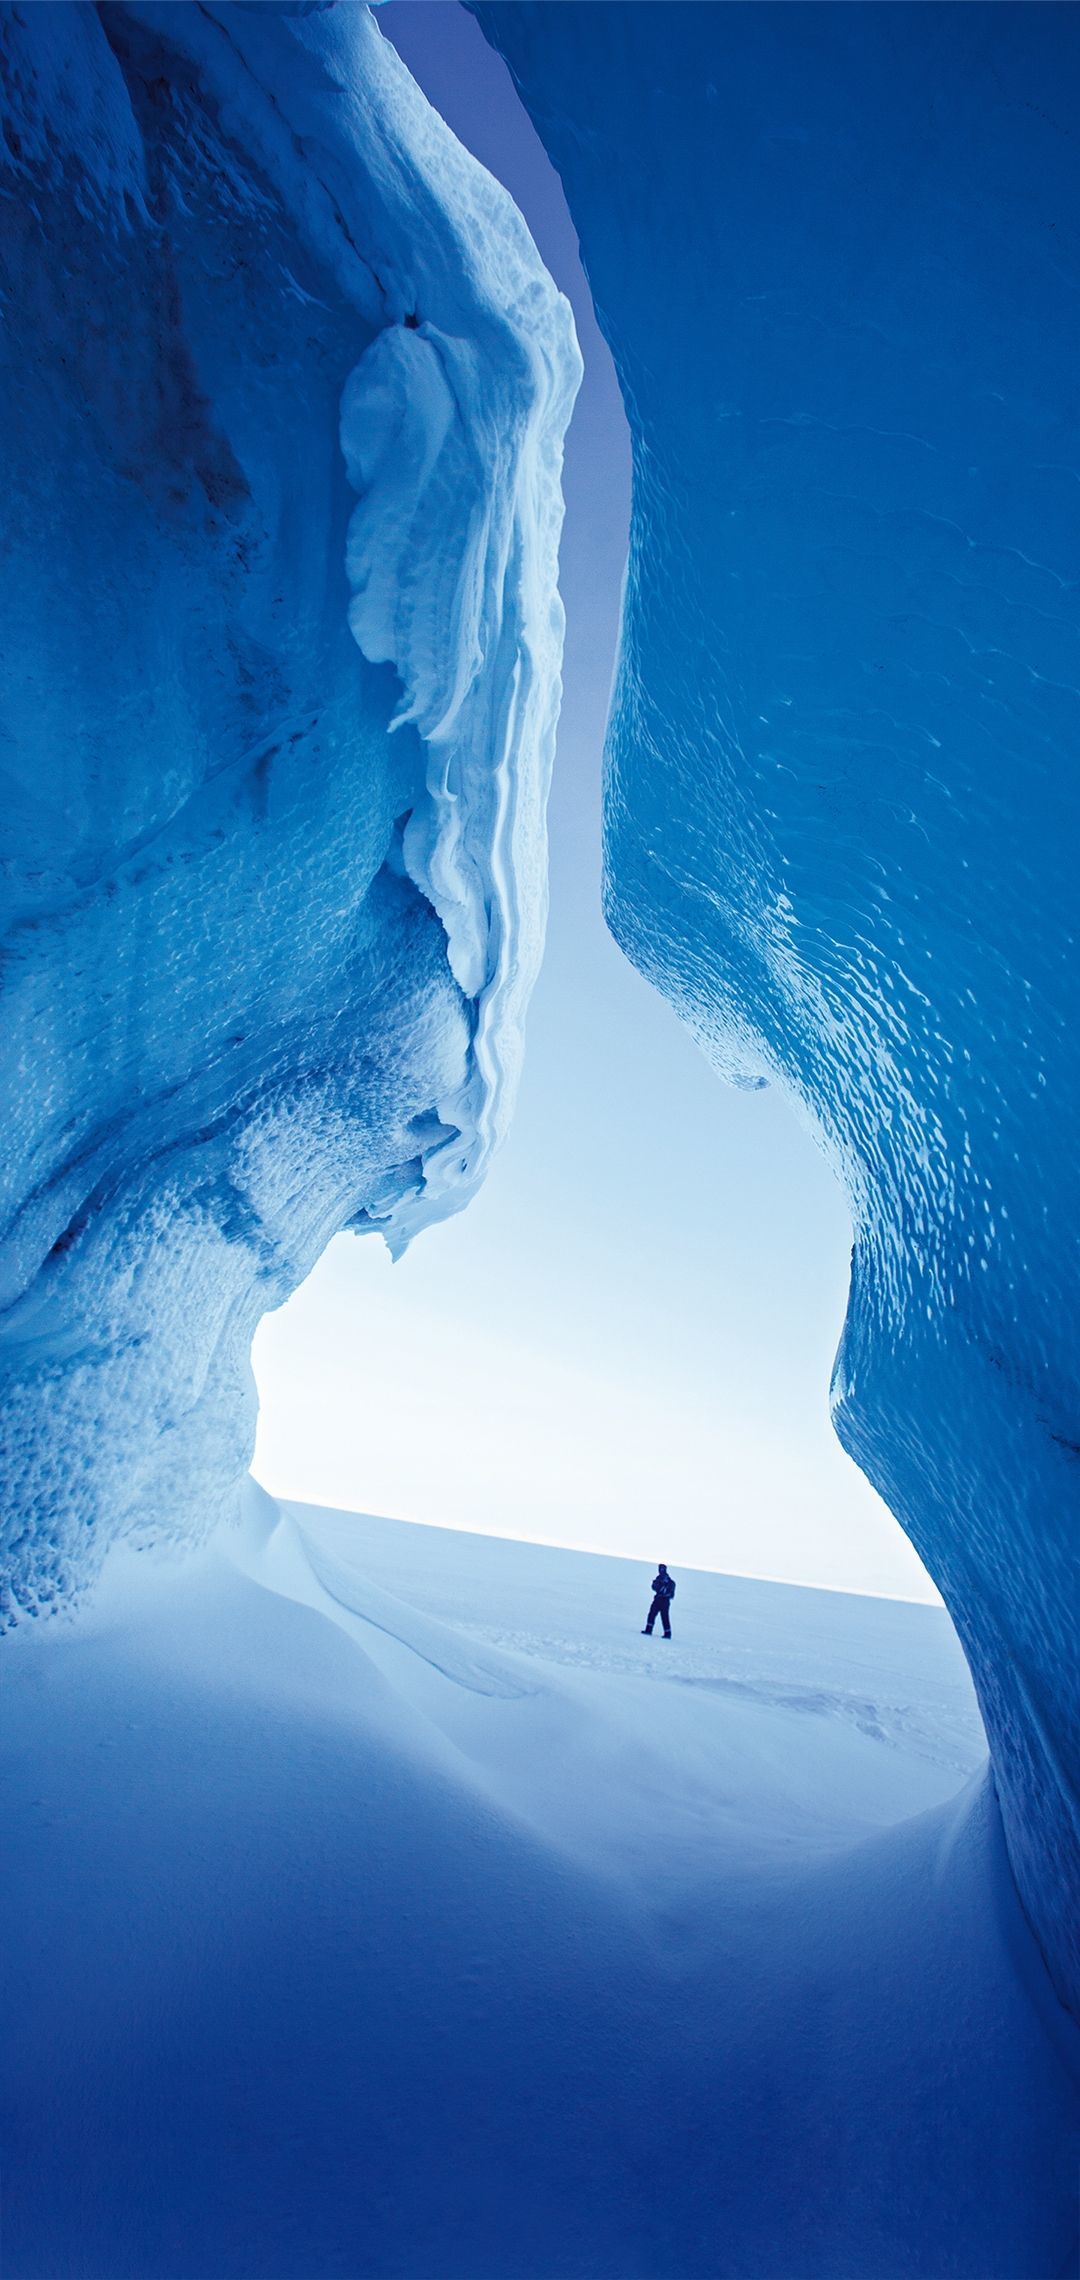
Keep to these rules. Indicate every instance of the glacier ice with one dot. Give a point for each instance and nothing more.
(842, 806)
(284, 392)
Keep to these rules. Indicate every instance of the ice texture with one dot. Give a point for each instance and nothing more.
(835, 252)
(284, 391)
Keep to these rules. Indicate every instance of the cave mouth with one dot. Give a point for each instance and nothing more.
(646, 1343)
(561, 1365)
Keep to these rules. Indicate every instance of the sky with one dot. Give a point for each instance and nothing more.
(625, 1343)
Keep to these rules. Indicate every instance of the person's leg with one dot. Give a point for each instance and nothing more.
(666, 1618)
(650, 1619)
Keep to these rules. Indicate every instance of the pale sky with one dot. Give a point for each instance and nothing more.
(625, 1343)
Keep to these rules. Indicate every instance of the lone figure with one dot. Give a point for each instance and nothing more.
(663, 1591)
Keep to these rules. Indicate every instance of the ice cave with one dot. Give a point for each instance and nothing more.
(305, 1895)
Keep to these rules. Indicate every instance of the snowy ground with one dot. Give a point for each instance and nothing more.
(381, 1904)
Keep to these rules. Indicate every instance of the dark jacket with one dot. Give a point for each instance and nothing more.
(664, 1586)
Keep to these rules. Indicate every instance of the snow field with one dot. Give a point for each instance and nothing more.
(361, 1942)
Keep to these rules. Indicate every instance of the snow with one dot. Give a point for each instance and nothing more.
(378, 1901)
(284, 393)
(842, 803)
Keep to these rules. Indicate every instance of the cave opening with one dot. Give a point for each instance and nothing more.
(643, 1303)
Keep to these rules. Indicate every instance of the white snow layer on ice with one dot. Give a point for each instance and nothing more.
(451, 427)
(378, 1901)
(282, 362)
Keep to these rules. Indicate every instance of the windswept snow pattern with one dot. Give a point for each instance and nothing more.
(418, 1929)
(284, 391)
(843, 805)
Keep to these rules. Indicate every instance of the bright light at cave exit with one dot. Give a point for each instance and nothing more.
(625, 1343)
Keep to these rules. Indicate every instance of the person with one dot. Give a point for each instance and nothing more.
(663, 1591)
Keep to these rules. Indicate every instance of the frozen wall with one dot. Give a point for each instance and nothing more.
(836, 254)
(284, 387)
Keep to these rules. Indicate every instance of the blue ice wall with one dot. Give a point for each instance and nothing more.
(836, 252)
(284, 387)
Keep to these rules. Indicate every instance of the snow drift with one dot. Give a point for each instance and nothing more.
(842, 809)
(284, 391)
(378, 1901)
